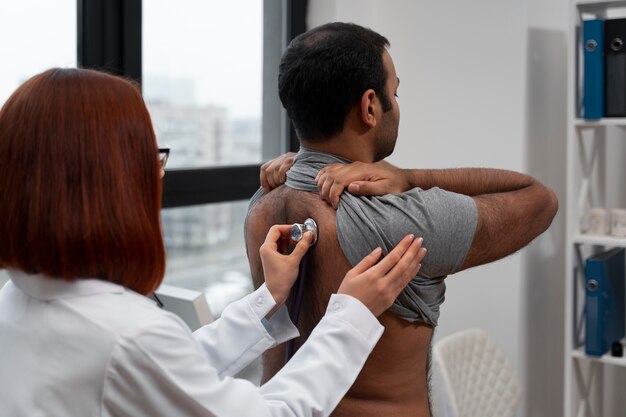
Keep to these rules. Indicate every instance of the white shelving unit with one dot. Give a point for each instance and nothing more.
(587, 187)
(578, 354)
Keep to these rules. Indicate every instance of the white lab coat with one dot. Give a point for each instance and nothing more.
(93, 348)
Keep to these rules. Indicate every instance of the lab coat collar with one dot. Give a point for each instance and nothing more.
(45, 288)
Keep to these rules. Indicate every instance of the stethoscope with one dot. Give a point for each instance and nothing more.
(297, 291)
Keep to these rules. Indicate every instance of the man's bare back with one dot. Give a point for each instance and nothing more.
(393, 381)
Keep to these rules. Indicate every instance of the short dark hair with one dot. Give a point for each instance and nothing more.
(80, 179)
(324, 73)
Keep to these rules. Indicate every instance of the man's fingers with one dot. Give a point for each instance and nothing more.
(367, 188)
(268, 176)
(331, 185)
(325, 190)
(275, 174)
(327, 169)
(335, 193)
(263, 178)
(284, 167)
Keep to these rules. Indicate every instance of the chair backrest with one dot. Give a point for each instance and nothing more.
(478, 378)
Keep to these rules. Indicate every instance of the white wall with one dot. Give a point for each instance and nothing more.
(543, 308)
(483, 83)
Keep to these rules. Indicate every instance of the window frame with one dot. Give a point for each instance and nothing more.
(110, 39)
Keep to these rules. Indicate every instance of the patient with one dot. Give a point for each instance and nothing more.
(338, 84)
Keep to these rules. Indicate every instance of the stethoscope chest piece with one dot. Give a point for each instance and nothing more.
(299, 229)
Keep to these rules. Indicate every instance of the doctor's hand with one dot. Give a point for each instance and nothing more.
(281, 269)
(360, 178)
(378, 284)
(274, 172)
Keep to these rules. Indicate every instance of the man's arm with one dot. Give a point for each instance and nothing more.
(513, 208)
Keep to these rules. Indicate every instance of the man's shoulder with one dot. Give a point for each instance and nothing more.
(268, 201)
(267, 209)
(254, 200)
(282, 199)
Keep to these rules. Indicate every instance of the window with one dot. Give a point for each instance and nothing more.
(202, 79)
(206, 251)
(37, 34)
(202, 82)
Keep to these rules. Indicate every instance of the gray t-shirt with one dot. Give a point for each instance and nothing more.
(446, 220)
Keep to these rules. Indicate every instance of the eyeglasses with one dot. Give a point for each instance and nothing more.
(164, 154)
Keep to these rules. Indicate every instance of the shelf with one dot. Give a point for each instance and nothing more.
(591, 173)
(593, 6)
(605, 359)
(617, 121)
(600, 240)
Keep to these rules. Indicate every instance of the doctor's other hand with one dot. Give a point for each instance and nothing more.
(281, 269)
(360, 178)
(378, 284)
(274, 172)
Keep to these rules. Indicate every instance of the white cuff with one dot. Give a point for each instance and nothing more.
(279, 326)
(348, 308)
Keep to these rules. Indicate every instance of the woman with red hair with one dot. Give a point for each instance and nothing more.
(80, 177)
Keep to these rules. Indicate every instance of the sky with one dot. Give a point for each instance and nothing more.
(217, 44)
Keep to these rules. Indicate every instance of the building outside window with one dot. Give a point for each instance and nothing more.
(202, 82)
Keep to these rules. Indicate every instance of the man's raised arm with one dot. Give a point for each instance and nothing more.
(513, 208)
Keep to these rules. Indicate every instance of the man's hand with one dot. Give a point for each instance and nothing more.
(274, 172)
(361, 179)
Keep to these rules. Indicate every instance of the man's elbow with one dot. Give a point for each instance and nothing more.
(550, 206)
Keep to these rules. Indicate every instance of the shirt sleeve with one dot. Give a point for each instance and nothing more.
(162, 371)
(446, 220)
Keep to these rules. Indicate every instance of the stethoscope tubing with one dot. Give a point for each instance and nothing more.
(297, 292)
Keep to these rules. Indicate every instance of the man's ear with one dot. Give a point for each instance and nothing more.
(369, 102)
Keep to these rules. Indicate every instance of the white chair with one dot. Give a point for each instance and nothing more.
(477, 378)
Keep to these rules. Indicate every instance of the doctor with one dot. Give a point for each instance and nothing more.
(81, 238)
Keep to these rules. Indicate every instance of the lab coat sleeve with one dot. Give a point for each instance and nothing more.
(327, 363)
(163, 372)
(239, 335)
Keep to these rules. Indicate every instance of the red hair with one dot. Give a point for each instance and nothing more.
(80, 181)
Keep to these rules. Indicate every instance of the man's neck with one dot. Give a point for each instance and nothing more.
(345, 146)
